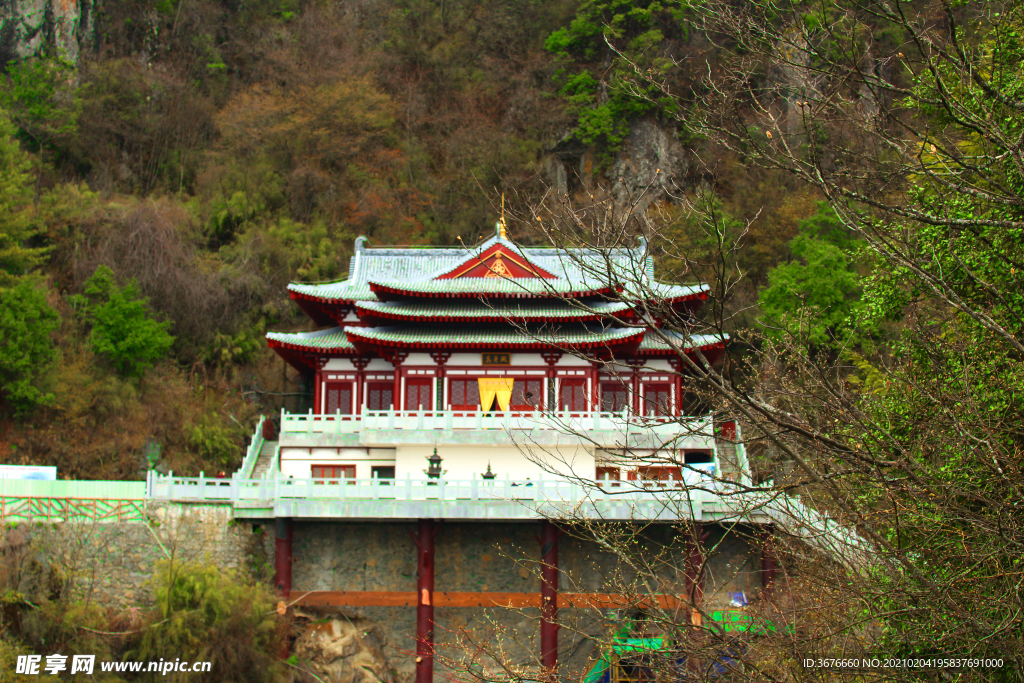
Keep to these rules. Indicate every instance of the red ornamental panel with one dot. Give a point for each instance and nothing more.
(380, 395)
(527, 394)
(614, 397)
(465, 394)
(417, 394)
(339, 398)
(658, 399)
(572, 395)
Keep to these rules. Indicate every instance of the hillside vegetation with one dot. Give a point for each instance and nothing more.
(203, 154)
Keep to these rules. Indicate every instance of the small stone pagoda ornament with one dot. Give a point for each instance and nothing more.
(434, 471)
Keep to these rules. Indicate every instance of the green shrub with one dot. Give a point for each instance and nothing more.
(123, 331)
(206, 614)
(26, 346)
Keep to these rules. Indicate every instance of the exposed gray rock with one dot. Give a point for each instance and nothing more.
(343, 649)
(58, 27)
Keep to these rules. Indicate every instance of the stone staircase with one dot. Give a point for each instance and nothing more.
(263, 461)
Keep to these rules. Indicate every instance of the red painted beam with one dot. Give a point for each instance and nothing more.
(425, 601)
(445, 599)
(283, 556)
(549, 597)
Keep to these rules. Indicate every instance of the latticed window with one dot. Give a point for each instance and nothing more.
(572, 395)
(339, 398)
(418, 394)
(333, 472)
(658, 399)
(379, 395)
(614, 397)
(465, 394)
(659, 474)
(527, 394)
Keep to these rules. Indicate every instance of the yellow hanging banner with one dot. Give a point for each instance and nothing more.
(495, 387)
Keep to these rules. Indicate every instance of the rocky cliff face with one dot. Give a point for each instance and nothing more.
(57, 27)
(650, 163)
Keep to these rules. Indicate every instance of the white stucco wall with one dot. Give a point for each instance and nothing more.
(469, 462)
(297, 462)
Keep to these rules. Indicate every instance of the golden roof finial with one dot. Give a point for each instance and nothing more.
(501, 221)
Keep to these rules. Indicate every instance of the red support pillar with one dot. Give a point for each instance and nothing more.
(283, 556)
(549, 598)
(360, 366)
(769, 566)
(425, 601)
(595, 389)
(694, 565)
(635, 390)
(317, 389)
(396, 397)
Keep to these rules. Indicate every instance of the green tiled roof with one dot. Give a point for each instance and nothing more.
(402, 336)
(652, 342)
(346, 290)
(414, 270)
(524, 287)
(333, 338)
(470, 308)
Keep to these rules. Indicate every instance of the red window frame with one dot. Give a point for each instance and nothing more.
(470, 387)
(658, 399)
(380, 395)
(416, 389)
(657, 473)
(337, 390)
(524, 385)
(575, 390)
(614, 397)
(332, 472)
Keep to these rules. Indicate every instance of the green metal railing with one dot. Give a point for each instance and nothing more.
(29, 501)
(253, 453)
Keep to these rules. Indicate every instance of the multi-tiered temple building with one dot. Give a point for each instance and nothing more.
(445, 348)
(488, 399)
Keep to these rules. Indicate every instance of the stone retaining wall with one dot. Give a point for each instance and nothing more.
(113, 564)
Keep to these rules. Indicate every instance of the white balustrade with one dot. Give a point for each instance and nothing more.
(564, 421)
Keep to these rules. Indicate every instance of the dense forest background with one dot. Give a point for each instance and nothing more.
(165, 179)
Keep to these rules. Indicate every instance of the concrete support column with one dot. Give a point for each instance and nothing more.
(549, 598)
(283, 555)
(425, 601)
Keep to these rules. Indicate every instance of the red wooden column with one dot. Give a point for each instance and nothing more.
(396, 397)
(635, 390)
(425, 601)
(283, 555)
(769, 565)
(360, 366)
(549, 534)
(694, 564)
(317, 389)
(595, 388)
(550, 394)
